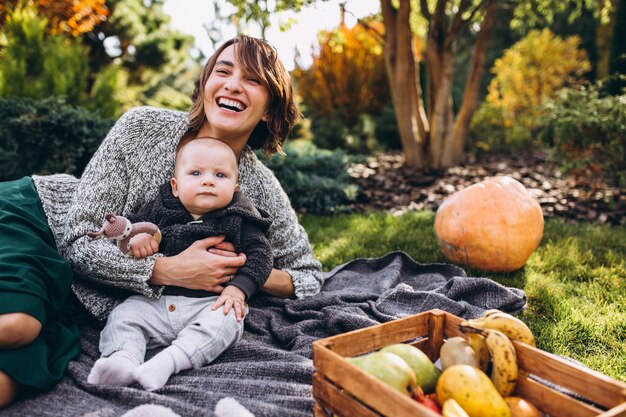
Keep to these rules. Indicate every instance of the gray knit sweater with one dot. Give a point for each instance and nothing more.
(135, 158)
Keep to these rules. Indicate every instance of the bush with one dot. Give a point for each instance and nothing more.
(47, 136)
(386, 130)
(315, 180)
(333, 134)
(587, 127)
(489, 132)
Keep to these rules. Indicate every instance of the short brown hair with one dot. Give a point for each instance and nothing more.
(259, 58)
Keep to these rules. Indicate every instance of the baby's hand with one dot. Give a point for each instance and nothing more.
(231, 297)
(143, 245)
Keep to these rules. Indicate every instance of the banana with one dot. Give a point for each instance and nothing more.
(504, 370)
(511, 326)
(451, 408)
(478, 344)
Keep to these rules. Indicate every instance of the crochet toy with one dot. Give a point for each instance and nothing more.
(119, 229)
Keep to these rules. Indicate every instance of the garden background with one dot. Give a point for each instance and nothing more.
(400, 111)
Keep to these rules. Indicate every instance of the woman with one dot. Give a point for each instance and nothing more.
(243, 97)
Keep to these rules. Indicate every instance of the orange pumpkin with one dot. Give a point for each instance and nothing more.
(493, 225)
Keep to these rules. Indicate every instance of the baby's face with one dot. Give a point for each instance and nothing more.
(205, 176)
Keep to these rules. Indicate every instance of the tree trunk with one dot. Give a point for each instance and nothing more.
(435, 140)
(472, 87)
(404, 82)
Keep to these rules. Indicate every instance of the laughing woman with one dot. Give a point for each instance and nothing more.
(243, 97)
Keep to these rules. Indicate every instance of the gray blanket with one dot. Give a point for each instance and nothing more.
(269, 370)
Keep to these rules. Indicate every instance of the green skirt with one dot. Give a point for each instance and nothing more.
(36, 280)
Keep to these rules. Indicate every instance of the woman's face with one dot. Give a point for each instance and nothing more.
(234, 101)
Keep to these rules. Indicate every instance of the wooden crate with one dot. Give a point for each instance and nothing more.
(342, 389)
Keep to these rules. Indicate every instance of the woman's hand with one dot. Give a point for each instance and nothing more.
(231, 297)
(205, 265)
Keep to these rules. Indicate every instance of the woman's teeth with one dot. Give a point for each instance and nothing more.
(230, 104)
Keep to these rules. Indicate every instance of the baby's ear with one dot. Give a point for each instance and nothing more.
(174, 187)
(236, 187)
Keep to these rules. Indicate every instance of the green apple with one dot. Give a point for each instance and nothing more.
(389, 368)
(426, 373)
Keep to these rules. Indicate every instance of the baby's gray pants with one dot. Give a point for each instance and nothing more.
(140, 323)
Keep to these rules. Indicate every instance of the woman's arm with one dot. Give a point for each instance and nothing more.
(279, 284)
(293, 255)
(105, 186)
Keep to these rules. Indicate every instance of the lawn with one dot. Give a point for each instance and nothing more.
(575, 281)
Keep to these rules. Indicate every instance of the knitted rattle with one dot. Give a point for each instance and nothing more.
(119, 229)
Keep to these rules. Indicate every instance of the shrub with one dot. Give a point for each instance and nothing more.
(532, 70)
(47, 136)
(347, 77)
(490, 132)
(315, 180)
(386, 130)
(333, 134)
(36, 65)
(587, 129)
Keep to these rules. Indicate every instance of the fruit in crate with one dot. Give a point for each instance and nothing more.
(511, 326)
(452, 409)
(427, 402)
(425, 371)
(472, 389)
(456, 351)
(493, 225)
(504, 369)
(522, 408)
(389, 368)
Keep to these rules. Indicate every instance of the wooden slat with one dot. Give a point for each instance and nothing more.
(318, 411)
(552, 402)
(619, 411)
(593, 385)
(422, 345)
(451, 326)
(436, 323)
(375, 337)
(372, 392)
(337, 401)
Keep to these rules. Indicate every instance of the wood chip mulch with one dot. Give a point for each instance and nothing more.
(386, 184)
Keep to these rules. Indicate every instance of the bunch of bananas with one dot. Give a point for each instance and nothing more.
(491, 338)
(487, 350)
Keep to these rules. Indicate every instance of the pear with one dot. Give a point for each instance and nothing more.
(425, 371)
(473, 390)
(389, 368)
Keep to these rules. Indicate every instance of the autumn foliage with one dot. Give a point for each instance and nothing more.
(347, 77)
(533, 70)
(72, 17)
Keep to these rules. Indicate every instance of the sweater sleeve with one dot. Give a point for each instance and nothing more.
(251, 277)
(290, 242)
(104, 187)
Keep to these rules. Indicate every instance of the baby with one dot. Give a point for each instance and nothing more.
(201, 200)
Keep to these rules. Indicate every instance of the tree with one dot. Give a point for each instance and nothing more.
(347, 77)
(148, 55)
(432, 136)
(37, 65)
(259, 12)
(72, 17)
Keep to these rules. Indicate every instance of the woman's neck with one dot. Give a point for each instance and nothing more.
(236, 143)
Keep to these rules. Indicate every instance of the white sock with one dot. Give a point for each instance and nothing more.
(154, 374)
(114, 370)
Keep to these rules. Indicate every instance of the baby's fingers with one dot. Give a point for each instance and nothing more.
(238, 306)
(219, 302)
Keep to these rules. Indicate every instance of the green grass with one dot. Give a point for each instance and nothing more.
(575, 281)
